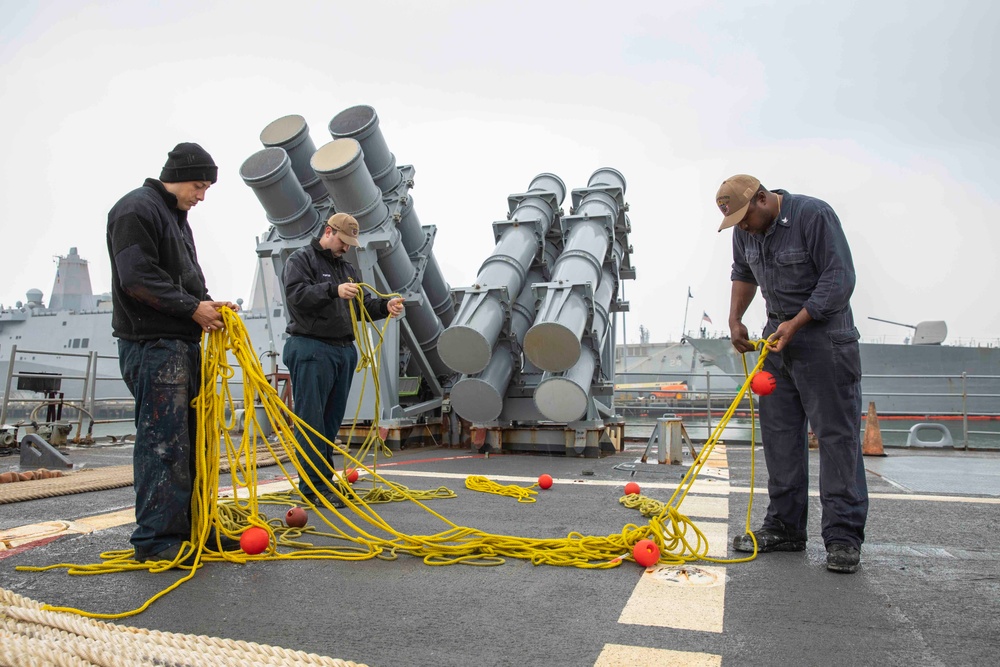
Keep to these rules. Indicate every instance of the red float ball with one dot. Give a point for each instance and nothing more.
(296, 517)
(351, 474)
(632, 489)
(646, 553)
(763, 383)
(254, 540)
(545, 481)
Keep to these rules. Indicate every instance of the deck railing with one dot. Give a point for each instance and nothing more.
(965, 413)
(701, 405)
(86, 405)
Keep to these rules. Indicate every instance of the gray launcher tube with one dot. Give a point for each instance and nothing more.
(361, 123)
(342, 170)
(479, 398)
(269, 174)
(553, 343)
(417, 241)
(341, 167)
(563, 397)
(292, 134)
(467, 345)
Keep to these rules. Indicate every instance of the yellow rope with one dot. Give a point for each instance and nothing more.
(761, 345)
(673, 532)
(358, 531)
(484, 485)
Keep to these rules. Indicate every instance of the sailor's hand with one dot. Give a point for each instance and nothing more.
(740, 337)
(348, 290)
(395, 307)
(208, 317)
(235, 307)
(779, 340)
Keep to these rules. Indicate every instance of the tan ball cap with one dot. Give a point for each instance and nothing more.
(733, 198)
(346, 227)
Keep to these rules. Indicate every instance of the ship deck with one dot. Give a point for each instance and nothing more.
(927, 591)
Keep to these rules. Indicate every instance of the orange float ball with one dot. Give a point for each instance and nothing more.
(296, 517)
(545, 481)
(632, 489)
(646, 553)
(351, 474)
(254, 540)
(763, 383)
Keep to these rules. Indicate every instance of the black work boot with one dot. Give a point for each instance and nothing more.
(842, 557)
(168, 554)
(216, 538)
(334, 499)
(771, 539)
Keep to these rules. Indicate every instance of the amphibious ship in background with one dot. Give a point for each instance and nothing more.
(922, 378)
(71, 334)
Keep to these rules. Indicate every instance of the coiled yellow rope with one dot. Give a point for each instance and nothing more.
(681, 538)
(359, 531)
(486, 485)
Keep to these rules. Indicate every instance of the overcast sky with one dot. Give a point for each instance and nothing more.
(887, 110)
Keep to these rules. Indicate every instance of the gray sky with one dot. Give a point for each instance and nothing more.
(887, 110)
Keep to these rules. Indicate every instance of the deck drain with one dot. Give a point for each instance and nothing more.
(686, 575)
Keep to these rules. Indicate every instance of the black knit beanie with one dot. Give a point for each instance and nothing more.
(189, 162)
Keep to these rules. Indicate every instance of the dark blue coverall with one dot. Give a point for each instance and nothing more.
(320, 351)
(803, 261)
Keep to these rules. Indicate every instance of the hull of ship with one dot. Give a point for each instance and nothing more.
(904, 379)
(64, 344)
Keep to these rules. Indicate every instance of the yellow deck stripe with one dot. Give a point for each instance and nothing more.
(705, 507)
(685, 597)
(109, 520)
(717, 535)
(617, 655)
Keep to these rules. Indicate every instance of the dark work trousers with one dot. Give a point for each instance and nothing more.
(819, 385)
(321, 375)
(164, 376)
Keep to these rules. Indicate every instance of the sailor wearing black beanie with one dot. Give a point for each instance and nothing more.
(161, 309)
(189, 162)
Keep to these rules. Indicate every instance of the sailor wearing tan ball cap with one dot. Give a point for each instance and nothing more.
(321, 289)
(345, 227)
(794, 249)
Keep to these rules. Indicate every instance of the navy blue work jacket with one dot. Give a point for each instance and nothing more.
(801, 261)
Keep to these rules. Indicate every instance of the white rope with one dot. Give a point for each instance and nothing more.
(32, 636)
